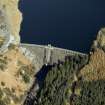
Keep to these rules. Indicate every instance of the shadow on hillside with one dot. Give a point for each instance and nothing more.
(42, 74)
(38, 82)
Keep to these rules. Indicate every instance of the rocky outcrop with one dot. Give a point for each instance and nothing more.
(100, 40)
(13, 17)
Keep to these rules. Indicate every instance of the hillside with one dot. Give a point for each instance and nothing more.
(77, 79)
(91, 85)
(16, 77)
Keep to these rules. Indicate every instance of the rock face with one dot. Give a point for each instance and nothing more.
(13, 17)
(101, 37)
(100, 40)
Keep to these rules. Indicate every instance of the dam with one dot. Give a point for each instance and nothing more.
(46, 54)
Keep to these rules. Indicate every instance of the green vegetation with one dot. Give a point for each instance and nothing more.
(1, 93)
(2, 83)
(1, 43)
(26, 71)
(3, 63)
(13, 90)
(6, 95)
(20, 63)
(2, 39)
(58, 84)
(7, 91)
(7, 100)
(92, 93)
(2, 102)
(11, 46)
(26, 78)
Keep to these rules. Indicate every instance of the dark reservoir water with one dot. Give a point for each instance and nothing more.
(70, 24)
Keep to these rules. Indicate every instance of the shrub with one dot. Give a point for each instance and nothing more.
(26, 72)
(2, 102)
(11, 46)
(7, 91)
(1, 93)
(3, 64)
(7, 100)
(26, 78)
(3, 83)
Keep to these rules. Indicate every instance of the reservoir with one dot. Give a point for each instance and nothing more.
(70, 24)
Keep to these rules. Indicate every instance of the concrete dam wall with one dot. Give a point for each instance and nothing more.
(46, 54)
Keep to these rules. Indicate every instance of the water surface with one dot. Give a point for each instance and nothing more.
(70, 24)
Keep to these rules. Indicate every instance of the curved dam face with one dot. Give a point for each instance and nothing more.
(46, 55)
